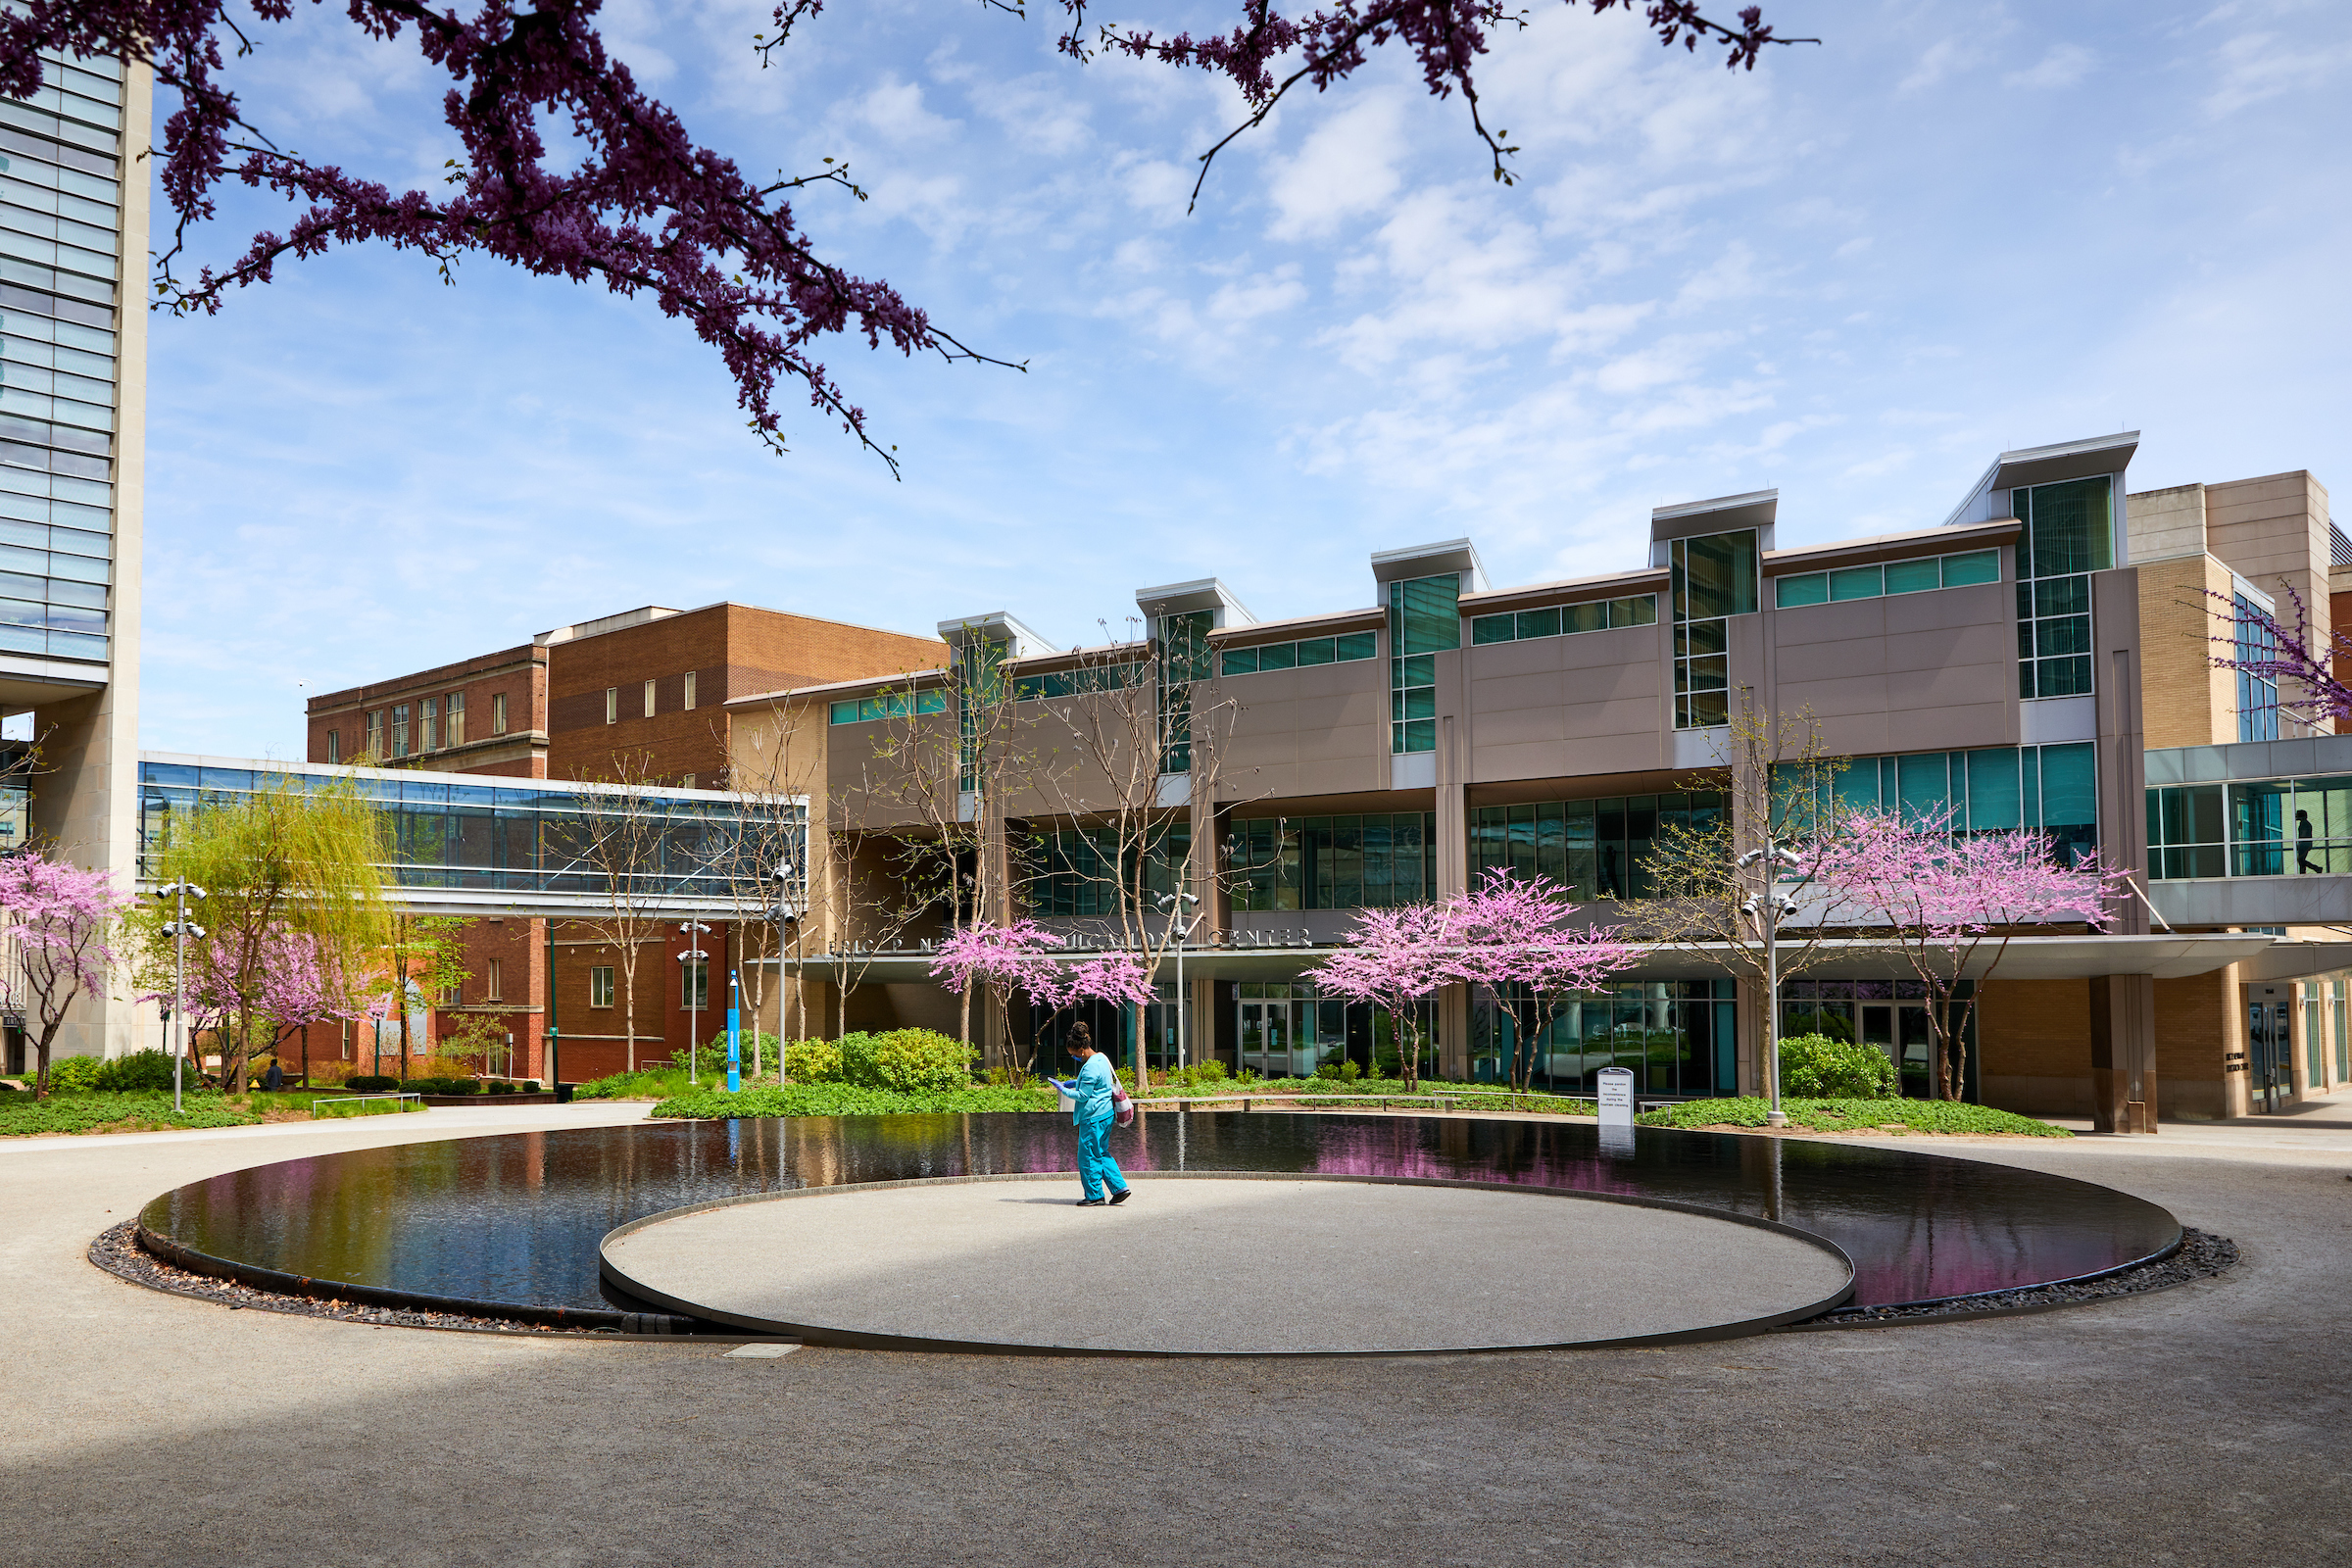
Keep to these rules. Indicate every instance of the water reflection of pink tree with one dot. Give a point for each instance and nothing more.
(1394, 958)
(1952, 904)
(1514, 938)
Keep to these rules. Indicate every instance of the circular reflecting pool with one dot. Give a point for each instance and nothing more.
(511, 1222)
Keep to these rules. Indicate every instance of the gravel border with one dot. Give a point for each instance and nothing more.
(2201, 1256)
(116, 1251)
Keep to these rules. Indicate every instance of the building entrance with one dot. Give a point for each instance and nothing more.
(2270, 1050)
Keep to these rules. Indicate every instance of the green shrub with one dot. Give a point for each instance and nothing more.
(498, 1086)
(1345, 1072)
(1846, 1115)
(140, 1071)
(850, 1100)
(1818, 1067)
(370, 1083)
(74, 1075)
(920, 1062)
(713, 1057)
(95, 1109)
(813, 1061)
(647, 1083)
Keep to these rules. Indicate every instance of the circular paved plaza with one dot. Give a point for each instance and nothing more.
(1209, 1266)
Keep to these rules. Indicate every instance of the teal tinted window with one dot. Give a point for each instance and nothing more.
(1978, 566)
(1425, 615)
(1638, 612)
(1856, 582)
(1921, 784)
(1813, 588)
(1492, 629)
(2067, 527)
(1994, 802)
(2069, 785)
(1913, 576)
(844, 712)
(1317, 650)
(1538, 623)
(1309, 651)
(1240, 661)
(1357, 645)
(1332, 862)
(1593, 617)
(1715, 576)
(1278, 655)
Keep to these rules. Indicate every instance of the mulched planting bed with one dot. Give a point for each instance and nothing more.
(2201, 1256)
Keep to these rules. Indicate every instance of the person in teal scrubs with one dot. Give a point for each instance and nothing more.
(1092, 1091)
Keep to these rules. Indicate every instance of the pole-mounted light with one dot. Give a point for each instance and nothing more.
(689, 958)
(180, 930)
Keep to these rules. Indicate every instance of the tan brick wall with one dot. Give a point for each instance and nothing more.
(2184, 700)
(2198, 1020)
(2273, 532)
(2034, 1043)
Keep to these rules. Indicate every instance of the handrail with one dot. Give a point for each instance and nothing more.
(353, 1099)
(1443, 1099)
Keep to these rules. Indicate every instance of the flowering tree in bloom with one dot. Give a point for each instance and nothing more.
(62, 920)
(1514, 939)
(1952, 903)
(1394, 958)
(1003, 959)
(2297, 661)
(302, 983)
(621, 194)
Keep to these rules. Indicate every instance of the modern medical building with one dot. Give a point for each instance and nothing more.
(2038, 655)
(72, 399)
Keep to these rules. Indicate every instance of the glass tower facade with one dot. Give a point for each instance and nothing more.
(60, 271)
(2069, 534)
(1713, 578)
(1425, 619)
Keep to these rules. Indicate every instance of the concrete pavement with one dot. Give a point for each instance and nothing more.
(2202, 1425)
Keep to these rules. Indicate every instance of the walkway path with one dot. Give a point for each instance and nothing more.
(2199, 1426)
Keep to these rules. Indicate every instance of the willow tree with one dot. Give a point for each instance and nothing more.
(285, 861)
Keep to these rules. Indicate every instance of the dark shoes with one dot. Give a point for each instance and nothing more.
(1121, 1196)
(1090, 1203)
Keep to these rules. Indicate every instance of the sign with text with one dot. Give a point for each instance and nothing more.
(1616, 1096)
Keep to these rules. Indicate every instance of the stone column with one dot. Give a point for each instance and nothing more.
(2123, 1053)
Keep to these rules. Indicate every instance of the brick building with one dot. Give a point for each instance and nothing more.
(637, 697)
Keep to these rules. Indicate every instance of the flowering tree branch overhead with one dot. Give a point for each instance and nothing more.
(1269, 54)
(2300, 661)
(642, 208)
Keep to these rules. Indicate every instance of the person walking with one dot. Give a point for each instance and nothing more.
(1094, 1090)
(2304, 864)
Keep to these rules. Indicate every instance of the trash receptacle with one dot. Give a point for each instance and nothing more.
(563, 1093)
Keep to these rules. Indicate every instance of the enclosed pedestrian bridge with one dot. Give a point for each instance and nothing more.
(461, 844)
(2256, 834)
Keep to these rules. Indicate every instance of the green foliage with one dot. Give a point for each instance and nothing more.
(1200, 1075)
(918, 1062)
(713, 1057)
(96, 1111)
(813, 1061)
(444, 1086)
(1345, 1072)
(142, 1070)
(363, 1108)
(1846, 1115)
(647, 1083)
(74, 1075)
(850, 1100)
(369, 1083)
(1818, 1067)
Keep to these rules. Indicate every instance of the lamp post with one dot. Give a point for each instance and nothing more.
(180, 930)
(1768, 909)
(689, 958)
(786, 876)
(1173, 903)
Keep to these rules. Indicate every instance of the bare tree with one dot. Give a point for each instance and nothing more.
(1757, 883)
(763, 857)
(1135, 748)
(616, 837)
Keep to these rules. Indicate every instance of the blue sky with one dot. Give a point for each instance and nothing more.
(1854, 275)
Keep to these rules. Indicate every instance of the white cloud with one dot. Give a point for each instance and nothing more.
(2257, 66)
(1346, 168)
(2062, 66)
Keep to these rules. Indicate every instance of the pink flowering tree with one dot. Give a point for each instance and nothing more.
(1952, 903)
(1004, 961)
(620, 194)
(62, 920)
(1117, 977)
(2301, 662)
(1514, 938)
(1394, 958)
(302, 983)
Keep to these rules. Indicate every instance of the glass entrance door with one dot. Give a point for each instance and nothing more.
(2270, 1052)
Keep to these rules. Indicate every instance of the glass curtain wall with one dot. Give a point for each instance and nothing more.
(1184, 658)
(2271, 827)
(1332, 862)
(1287, 1029)
(2069, 534)
(1996, 789)
(1425, 619)
(2257, 695)
(1594, 849)
(1077, 872)
(60, 231)
(1678, 1037)
(1713, 579)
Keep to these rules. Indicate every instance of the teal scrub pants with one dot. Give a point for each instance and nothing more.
(1095, 1167)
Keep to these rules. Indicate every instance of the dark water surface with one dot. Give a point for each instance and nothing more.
(517, 1218)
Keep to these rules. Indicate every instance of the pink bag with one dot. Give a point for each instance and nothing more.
(1123, 1110)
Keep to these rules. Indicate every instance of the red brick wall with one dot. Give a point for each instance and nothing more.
(519, 674)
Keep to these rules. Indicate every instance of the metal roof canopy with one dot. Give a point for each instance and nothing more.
(2167, 957)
